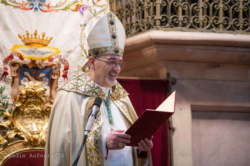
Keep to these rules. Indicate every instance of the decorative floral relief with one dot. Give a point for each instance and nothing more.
(43, 6)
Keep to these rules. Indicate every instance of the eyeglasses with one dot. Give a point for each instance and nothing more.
(113, 63)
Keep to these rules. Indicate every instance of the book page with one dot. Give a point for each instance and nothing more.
(169, 104)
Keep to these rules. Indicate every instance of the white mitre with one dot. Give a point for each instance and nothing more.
(105, 36)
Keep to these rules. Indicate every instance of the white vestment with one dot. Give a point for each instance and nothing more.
(67, 122)
(121, 157)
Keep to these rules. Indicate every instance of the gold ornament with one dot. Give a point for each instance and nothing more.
(30, 40)
(120, 145)
(28, 121)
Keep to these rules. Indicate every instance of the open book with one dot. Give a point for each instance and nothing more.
(151, 120)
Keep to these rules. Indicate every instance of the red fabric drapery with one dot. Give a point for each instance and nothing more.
(149, 94)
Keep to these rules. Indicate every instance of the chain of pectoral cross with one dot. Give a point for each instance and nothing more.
(107, 103)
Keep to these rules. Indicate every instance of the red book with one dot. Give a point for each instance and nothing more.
(151, 120)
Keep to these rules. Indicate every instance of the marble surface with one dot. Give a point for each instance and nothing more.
(213, 95)
(220, 138)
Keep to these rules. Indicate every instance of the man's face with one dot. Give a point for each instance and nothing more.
(106, 74)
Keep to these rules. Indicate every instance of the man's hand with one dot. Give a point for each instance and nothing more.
(116, 137)
(146, 145)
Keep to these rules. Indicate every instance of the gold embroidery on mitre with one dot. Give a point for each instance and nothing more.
(107, 50)
(113, 30)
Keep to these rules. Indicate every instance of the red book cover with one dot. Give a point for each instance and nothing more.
(151, 120)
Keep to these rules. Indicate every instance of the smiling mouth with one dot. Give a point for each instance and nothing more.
(113, 75)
